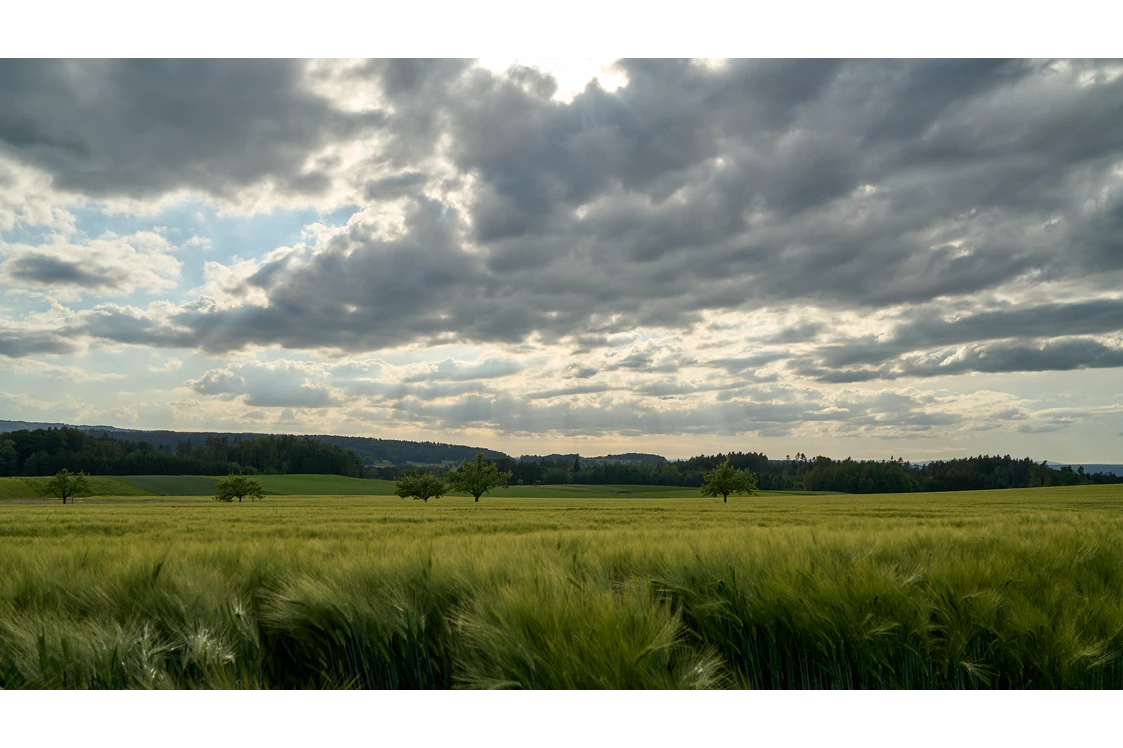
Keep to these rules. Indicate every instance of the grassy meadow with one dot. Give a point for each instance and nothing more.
(528, 589)
(36, 488)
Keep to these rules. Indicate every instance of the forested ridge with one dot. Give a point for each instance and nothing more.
(371, 451)
(46, 451)
(400, 452)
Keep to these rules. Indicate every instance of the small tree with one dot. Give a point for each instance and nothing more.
(726, 479)
(422, 486)
(66, 484)
(477, 477)
(237, 487)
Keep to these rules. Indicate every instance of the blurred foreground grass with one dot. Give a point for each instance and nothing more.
(1000, 589)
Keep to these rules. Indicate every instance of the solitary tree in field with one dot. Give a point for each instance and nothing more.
(477, 477)
(726, 479)
(66, 484)
(422, 486)
(237, 487)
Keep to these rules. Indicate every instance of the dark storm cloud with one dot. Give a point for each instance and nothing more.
(773, 185)
(144, 127)
(839, 376)
(22, 343)
(1063, 355)
(418, 90)
(640, 360)
(364, 293)
(798, 334)
(123, 325)
(575, 371)
(992, 358)
(46, 270)
(869, 358)
(776, 125)
(1053, 320)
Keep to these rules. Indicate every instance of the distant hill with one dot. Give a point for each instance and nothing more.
(370, 450)
(629, 458)
(398, 452)
(1090, 467)
(32, 425)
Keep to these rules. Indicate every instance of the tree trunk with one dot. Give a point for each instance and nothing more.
(477, 499)
(239, 499)
(725, 498)
(64, 498)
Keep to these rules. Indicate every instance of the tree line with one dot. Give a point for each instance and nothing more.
(478, 477)
(799, 473)
(400, 452)
(47, 451)
(371, 451)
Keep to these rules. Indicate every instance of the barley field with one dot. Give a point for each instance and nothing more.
(647, 589)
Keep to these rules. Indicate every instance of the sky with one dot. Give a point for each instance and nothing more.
(866, 258)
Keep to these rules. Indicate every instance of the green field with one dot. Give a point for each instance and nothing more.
(34, 488)
(281, 485)
(173, 485)
(1000, 589)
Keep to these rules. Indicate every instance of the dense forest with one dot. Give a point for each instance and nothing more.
(803, 474)
(46, 451)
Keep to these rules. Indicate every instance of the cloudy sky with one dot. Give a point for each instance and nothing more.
(849, 258)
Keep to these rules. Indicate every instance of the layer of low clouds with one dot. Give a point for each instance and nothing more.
(640, 257)
(486, 395)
